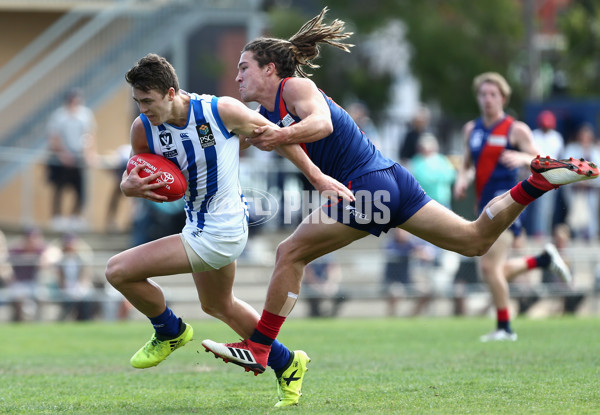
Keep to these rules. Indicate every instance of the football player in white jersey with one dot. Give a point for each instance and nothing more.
(201, 248)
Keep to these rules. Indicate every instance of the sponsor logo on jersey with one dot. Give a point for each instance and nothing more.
(207, 139)
(356, 213)
(169, 149)
(184, 136)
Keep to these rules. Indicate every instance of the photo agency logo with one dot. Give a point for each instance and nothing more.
(293, 206)
(261, 206)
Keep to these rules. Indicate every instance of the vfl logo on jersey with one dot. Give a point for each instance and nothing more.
(476, 138)
(207, 139)
(184, 136)
(169, 149)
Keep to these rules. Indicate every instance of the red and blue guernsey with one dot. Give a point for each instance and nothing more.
(386, 193)
(492, 178)
(345, 154)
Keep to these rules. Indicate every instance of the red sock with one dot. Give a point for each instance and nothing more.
(270, 324)
(503, 315)
(531, 262)
(520, 195)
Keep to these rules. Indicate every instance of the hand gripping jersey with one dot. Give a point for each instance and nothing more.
(492, 178)
(208, 157)
(345, 154)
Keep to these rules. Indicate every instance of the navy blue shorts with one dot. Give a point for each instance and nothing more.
(385, 199)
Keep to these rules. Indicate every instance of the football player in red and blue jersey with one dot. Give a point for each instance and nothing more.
(271, 72)
(496, 147)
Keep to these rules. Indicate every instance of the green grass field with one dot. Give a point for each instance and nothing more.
(359, 366)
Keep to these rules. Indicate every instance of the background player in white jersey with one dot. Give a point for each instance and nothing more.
(198, 133)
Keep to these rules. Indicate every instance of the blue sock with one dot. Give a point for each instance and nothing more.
(166, 324)
(278, 357)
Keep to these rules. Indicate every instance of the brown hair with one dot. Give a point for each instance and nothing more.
(153, 72)
(289, 56)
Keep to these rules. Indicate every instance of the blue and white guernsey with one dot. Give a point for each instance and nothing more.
(208, 156)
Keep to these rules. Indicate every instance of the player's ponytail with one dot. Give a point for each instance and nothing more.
(305, 43)
(289, 56)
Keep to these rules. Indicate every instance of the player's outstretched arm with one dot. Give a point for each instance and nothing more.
(324, 184)
(241, 120)
(304, 100)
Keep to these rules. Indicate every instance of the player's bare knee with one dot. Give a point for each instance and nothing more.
(288, 252)
(283, 253)
(219, 311)
(114, 272)
(211, 310)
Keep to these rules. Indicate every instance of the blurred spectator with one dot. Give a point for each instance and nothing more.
(360, 114)
(74, 270)
(572, 300)
(419, 125)
(582, 198)
(155, 220)
(71, 130)
(539, 214)
(466, 276)
(436, 174)
(434, 171)
(115, 305)
(27, 256)
(321, 283)
(402, 249)
(6, 270)
(118, 164)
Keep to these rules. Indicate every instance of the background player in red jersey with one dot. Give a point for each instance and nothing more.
(496, 147)
(266, 75)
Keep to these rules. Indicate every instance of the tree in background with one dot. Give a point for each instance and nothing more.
(345, 77)
(580, 59)
(451, 42)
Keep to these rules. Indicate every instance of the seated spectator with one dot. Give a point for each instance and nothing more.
(27, 256)
(6, 270)
(74, 270)
(583, 199)
(401, 250)
(321, 283)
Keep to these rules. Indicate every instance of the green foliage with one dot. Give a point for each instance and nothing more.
(581, 59)
(359, 366)
(344, 77)
(452, 41)
(459, 41)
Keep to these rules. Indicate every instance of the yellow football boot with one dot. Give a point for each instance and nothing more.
(289, 384)
(155, 350)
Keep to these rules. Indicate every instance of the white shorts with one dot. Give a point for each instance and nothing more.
(206, 251)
